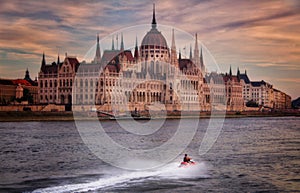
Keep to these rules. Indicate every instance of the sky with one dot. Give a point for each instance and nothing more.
(259, 36)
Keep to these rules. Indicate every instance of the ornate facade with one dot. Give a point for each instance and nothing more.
(151, 77)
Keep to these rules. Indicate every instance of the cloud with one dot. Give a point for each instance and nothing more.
(294, 80)
(255, 34)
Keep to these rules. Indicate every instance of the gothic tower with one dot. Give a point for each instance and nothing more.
(196, 52)
(97, 59)
(174, 60)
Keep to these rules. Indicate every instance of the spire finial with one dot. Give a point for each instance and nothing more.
(122, 43)
(191, 55)
(58, 49)
(136, 49)
(173, 46)
(179, 57)
(230, 72)
(153, 19)
(136, 42)
(97, 58)
(43, 60)
(112, 43)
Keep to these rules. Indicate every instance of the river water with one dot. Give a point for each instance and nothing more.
(250, 155)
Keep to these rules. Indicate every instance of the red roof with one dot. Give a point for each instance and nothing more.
(128, 55)
(21, 82)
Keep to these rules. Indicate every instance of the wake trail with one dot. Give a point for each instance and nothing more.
(170, 171)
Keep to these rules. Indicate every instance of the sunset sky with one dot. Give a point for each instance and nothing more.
(262, 37)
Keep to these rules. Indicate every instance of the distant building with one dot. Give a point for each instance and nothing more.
(234, 92)
(281, 100)
(14, 89)
(263, 94)
(56, 80)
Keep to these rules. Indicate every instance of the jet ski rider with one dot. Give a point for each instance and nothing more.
(187, 159)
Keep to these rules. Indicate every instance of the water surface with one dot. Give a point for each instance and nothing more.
(250, 155)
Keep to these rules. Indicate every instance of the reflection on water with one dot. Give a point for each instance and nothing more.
(251, 154)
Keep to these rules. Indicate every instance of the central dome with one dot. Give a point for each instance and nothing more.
(154, 38)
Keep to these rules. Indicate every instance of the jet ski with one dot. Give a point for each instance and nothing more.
(187, 164)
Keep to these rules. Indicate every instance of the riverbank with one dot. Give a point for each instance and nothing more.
(10, 116)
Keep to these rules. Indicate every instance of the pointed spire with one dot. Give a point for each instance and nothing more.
(112, 43)
(153, 18)
(174, 60)
(43, 60)
(196, 51)
(136, 50)
(196, 42)
(201, 60)
(245, 71)
(97, 58)
(27, 76)
(173, 40)
(238, 71)
(27, 72)
(191, 55)
(230, 72)
(122, 43)
(58, 61)
(179, 54)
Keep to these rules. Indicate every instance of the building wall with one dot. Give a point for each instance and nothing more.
(7, 92)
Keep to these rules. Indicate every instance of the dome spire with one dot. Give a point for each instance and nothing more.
(97, 58)
(43, 60)
(112, 43)
(122, 43)
(136, 50)
(153, 19)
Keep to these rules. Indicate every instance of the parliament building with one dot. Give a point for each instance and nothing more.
(153, 76)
